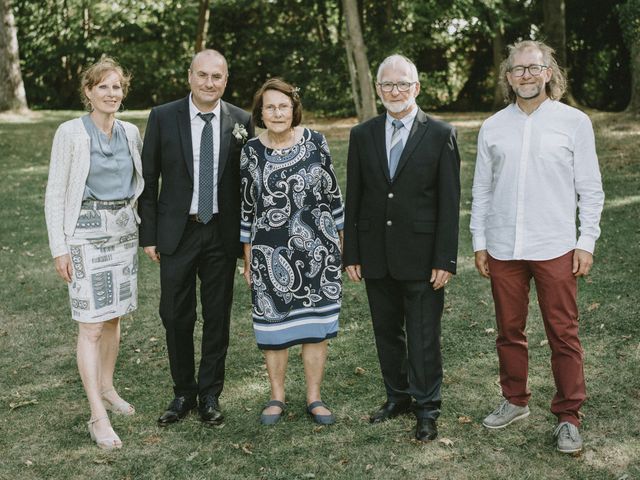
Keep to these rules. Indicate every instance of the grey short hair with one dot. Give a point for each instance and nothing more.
(392, 61)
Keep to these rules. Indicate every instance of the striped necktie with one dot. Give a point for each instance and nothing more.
(205, 178)
(396, 147)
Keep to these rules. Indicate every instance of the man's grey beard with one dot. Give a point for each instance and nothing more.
(397, 108)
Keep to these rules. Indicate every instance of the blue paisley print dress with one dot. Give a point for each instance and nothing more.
(291, 213)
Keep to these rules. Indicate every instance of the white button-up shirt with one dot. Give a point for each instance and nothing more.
(197, 124)
(532, 172)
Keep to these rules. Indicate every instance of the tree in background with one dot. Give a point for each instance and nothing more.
(203, 24)
(359, 71)
(630, 23)
(12, 93)
(455, 44)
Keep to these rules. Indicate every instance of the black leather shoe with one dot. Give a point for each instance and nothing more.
(390, 410)
(426, 429)
(177, 410)
(210, 410)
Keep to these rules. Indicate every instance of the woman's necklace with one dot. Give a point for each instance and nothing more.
(280, 146)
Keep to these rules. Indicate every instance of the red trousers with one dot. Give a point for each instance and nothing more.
(557, 288)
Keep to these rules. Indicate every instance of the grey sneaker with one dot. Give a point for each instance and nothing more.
(569, 439)
(505, 414)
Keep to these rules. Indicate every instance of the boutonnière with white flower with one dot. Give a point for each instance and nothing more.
(240, 133)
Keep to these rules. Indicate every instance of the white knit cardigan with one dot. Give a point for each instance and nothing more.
(68, 172)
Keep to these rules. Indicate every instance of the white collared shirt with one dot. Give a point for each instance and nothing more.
(197, 124)
(532, 172)
(407, 121)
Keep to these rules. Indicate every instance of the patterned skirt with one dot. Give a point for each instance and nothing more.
(104, 255)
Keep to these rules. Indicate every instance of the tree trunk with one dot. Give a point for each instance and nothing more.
(497, 44)
(634, 103)
(203, 26)
(12, 94)
(361, 80)
(554, 28)
(556, 37)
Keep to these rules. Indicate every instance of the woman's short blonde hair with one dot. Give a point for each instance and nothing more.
(93, 74)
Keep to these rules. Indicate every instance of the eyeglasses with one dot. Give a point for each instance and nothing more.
(534, 70)
(215, 77)
(271, 109)
(401, 86)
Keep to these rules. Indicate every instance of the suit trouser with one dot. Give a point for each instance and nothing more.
(200, 253)
(557, 289)
(406, 322)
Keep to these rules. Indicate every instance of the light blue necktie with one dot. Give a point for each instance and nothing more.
(205, 178)
(396, 147)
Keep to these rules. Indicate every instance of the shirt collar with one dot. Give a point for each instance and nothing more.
(541, 108)
(407, 120)
(193, 110)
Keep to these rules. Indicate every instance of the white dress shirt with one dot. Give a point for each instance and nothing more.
(197, 124)
(407, 121)
(532, 172)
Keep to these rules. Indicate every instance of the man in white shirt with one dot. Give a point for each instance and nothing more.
(536, 165)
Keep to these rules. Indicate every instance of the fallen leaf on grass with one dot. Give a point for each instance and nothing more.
(246, 448)
(14, 405)
(544, 342)
(28, 463)
(464, 419)
(489, 330)
(593, 307)
(359, 371)
(368, 467)
(446, 442)
(343, 461)
(192, 455)
(152, 440)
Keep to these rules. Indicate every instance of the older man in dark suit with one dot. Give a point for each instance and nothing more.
(401, 236)
(190, 225)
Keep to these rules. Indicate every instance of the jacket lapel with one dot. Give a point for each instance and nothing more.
(184, 129)
(378, 133)
(226, 127)
(415, 135)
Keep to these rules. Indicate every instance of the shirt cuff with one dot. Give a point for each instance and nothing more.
(586, 243)
(479, 243)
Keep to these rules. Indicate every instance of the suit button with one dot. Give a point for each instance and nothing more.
(390, 195)
(389, 223)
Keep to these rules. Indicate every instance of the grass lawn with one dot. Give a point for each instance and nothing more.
(43, 411)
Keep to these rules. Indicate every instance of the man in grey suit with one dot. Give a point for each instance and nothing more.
(191, 226)
(401, 236)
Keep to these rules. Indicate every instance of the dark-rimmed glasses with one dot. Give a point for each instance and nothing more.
(534, 70)
(401, 86)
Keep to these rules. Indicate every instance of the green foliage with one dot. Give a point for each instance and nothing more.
(302, 41)
(630, 21)
(598, 60)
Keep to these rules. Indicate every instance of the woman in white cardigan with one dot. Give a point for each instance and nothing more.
(95, 178)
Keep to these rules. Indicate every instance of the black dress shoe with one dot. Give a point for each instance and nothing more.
(426, 429)
(177, 410)
(390, 410)
(210, 410)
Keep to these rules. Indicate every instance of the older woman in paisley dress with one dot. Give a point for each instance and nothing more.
(291, 229)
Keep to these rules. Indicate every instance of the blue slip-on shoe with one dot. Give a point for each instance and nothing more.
(321, 419)
(274, 418)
